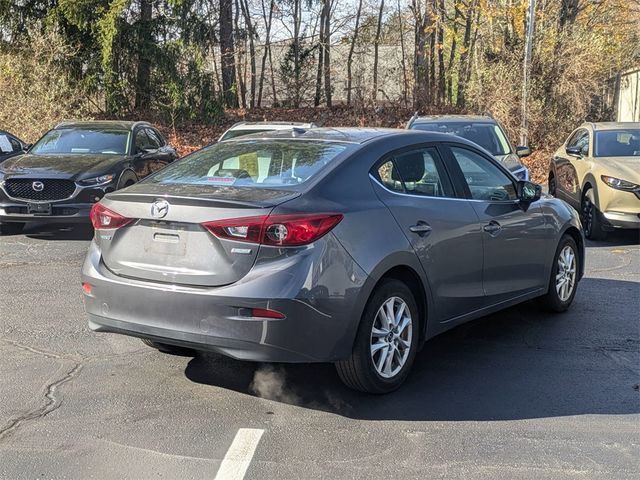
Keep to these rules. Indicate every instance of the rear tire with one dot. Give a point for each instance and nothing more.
(170, 349)
(591, 217)
(12, 228)
(383, 352)
(563, 282)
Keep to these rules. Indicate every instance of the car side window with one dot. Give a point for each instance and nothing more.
(142, 141)
(6, 146)
(417, 172)
(389, 178)
(485, 180)
(580, 139)
(154, 139)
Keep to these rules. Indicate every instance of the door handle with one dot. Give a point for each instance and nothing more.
(421, 228)
(493, 228)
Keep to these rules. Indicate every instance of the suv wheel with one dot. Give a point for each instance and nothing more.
(386, 342)
(591, 217)
(552, 185)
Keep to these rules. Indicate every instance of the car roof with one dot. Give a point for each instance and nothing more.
(613, 125)
(352, 135)
(270, 125)
(106, 124)
(453, 118)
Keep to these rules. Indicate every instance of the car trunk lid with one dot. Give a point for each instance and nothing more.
(166, 242)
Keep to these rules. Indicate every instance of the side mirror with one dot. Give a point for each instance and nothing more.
(147, 152)
(574, 151)
(528, 192)
(26, 147)
(523, 151)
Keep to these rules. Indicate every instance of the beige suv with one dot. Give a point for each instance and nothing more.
(597, 170)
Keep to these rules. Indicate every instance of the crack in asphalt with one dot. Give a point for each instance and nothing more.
(52, 402)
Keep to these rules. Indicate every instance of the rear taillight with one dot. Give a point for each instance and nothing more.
(278, 230)
(102, 218)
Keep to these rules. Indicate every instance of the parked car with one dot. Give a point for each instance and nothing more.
(247, 128)
(351, 246)
(10, 146)
(72, 167)
(482, 130)
(597, 170)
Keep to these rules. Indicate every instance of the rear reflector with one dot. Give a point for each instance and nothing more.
(264, 313)
(102, 218)
(86, 288)
(278, 230)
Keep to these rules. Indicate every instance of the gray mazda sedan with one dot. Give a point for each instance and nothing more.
(351, 246)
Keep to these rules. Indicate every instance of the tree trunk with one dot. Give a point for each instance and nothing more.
(296, 51)
(464, 56)
(143, 77)
(252, 52)
(351, 49)
(403, 62)
(267, 46)
(376, 45)
(440, 46)
(240, 58)
(227, 51)
(327, 52)
(318, 96)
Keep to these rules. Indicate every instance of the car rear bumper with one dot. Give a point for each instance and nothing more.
(319, 325)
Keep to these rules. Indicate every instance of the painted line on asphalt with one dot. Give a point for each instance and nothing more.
(238, 458)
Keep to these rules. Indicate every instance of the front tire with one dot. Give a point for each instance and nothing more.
(591, 216)
(564, 276)
(386, 342)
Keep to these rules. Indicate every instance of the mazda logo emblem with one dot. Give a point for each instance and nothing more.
(37, 186)
(159, 209)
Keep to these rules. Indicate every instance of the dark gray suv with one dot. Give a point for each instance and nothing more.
(351, 246)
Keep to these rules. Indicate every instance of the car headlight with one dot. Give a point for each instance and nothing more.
(97, 181)
(619, 184)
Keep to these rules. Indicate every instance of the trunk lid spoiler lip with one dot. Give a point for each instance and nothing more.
(200, 201)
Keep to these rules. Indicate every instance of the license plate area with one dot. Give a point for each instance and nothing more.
(39, 208)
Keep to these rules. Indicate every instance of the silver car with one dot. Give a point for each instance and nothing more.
(351, 246)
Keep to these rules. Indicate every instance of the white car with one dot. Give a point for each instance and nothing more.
(247, 128)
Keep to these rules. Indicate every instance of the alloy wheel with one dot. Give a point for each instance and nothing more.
(391, 337)
(566, 274)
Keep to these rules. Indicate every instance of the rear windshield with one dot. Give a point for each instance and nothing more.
(82, 141)
(488, 136)
(249, 163)
(617, 143)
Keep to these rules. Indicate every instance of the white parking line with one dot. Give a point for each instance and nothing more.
(236, 462)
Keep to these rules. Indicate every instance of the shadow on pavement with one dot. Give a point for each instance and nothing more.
(617, 238)
(520, 363)
(45, 231)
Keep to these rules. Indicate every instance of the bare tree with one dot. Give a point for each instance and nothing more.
(376, 45)
(252, 50)
(352, 47)
(143, 77)
(267, 47)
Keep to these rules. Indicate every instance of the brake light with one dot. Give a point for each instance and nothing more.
(102, 218)
(277, 230)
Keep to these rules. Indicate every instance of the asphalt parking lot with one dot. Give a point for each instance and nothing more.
(520, 394)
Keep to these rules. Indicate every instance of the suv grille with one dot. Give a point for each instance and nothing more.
(53, 189)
